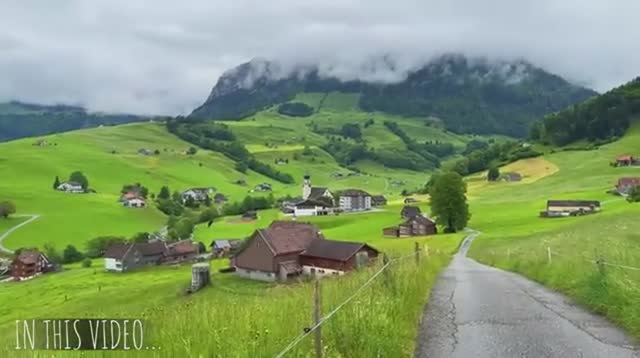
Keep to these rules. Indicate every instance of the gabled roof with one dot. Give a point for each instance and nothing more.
(573, 203)
(317, 191)
(184, 247)
(117, 251)
(289, 236)
(629, 182)
(410, 211)
(151, 248)
(625, 158)
(421, 220)
(29, 257)
(354, 192)
(310, 203)
(334, 250)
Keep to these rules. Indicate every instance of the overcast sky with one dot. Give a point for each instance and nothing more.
(163, 57)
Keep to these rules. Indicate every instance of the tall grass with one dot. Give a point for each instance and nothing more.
(608, 290)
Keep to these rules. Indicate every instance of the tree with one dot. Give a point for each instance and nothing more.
(97, 246)
(176, 196)
(449, 201)
(634, 195)
(192, 150)
(140, 237)
(56, 183)
(165, 193)
(79, 178)
(71, 254)
(7, 208)
(52, 253)
(493, 174)
(208, 215)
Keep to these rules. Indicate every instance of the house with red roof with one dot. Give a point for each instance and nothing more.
(626, 160)
(626, 185)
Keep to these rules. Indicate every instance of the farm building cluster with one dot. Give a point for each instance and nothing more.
(415, 224)
(289, 249)
(123, 257)
(316, 201)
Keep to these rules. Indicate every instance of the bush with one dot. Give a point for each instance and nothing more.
(71, 255)
(7, 208)
(86, 262)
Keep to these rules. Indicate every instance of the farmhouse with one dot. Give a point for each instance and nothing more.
(220, 198)
(276, 252)
(185, 250)
(196, 194)
(224, 248)
(70, 187)
(417, 225)
(135, 202)
(409, 211)
(313, 207)
(625, 161)
(512, 177)
(557, 208)
(626, 185)
(123, 257)
(378, 200)
(355, 200)
(263, 187)
(410, 200)
(30, 263)
(327, 257)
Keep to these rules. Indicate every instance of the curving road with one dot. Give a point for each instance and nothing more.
(6, 233)
(479, 311)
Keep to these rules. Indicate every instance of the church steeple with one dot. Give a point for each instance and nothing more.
(306, 187)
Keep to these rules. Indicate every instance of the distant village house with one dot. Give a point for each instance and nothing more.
(71, 187)
(224, 248)
(626, 185)
(626, 160)
(198, 195)
(30, 263)
(560, 208)
(128, 256)
(415, 224)
(355, 200)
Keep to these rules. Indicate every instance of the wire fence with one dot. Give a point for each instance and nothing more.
(325, 318)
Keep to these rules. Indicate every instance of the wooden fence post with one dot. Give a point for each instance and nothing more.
(426, 250)
(417, 249)
(549, 254)
(509, 254)
(317, 316)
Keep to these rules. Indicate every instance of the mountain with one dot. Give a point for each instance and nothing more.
(603, 117)
(468, 95)
(19, 119)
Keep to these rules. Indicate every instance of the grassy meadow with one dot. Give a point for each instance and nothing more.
(514, 238)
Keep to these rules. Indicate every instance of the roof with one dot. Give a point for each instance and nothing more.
(629, 182)
(354, 192)
(625, 158)
(219, 197)
(220, 244)
(29, 257)
(573, 203)
(198, 190)
(131, 195)
(183, 247)
(310, 203)
(72, 183)
(317, 191)
(420, 219)
(411, 211)
(378, 198)
(289, 236)
(117, 251)
(334, 250)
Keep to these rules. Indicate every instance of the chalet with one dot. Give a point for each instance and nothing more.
(512, 177)
(626, 185)
(378, 200)
(277, 252)
(220, 198)
(410, 200)
(30, 263)
(557, 208)
(315, 193)
(71, 187)
(625, 161)
(417, 225)
(355, 200)
(134, 202)
(250, 215)
(313, 207)
(185, 250)
(123, 257)
(224, 248)
(327, 257)
(409, 211)
(196, 194)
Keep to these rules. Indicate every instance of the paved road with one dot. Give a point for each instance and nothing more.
(6, 233)
(478, 311)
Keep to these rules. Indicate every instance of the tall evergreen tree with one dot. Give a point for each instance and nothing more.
(165, 193)
(56, 183)
(449, 201)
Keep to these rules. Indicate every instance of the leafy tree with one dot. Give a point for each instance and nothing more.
(181, 229)
(79, 178)
(170, 207)
(52, 253)
(208, 215)
(634, 195)
(86, 263)
(176, 196)
(493, 174)
(71, 254)
(449, 201)
(7, 208)
(97, 246)
(140, 237)
(351, 130)
(56, 183)
(192, 150)
(190, 202)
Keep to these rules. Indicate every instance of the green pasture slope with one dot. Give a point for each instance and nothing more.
(514, 238)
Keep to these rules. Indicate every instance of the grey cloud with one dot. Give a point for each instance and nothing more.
(163, 56)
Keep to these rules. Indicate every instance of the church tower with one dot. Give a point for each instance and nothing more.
(306, 187)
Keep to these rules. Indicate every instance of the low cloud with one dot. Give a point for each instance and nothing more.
(163, 57)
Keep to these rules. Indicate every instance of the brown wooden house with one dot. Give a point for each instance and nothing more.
(30, 263)
(409, 211)
(625, 160)
(325, 257)
(414, 226)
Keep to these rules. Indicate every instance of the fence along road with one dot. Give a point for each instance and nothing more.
(480, 311)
